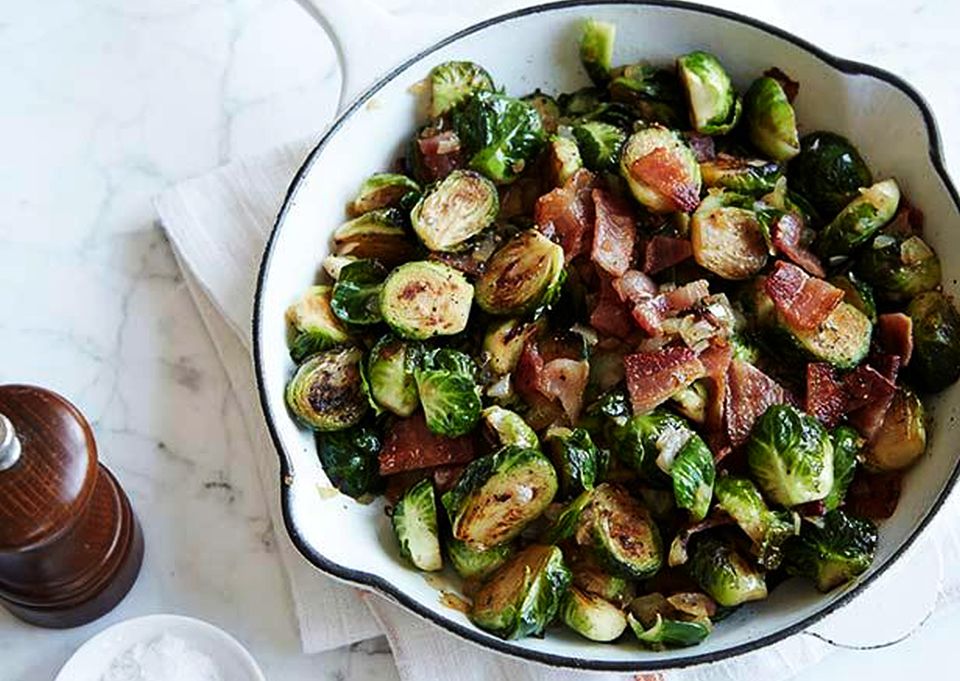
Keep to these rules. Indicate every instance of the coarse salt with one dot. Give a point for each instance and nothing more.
(165, 658)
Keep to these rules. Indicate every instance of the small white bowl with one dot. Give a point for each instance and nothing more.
(93, 658)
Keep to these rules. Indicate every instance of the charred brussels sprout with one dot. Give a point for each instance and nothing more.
(453, 82)
(523, 596)
(523, 277)
(423, 299)
(591, 616)
(547, 107)
(768, 530)
(502, 134)
(714, 106)
(599, 144)
(902, 437)
(936, 341)
(829, 172)
(349, 458)
(449, 393)
(355, 298)
(378, 235)
(498, 494)
(622, 533)
(509, 428)
(790, 456)
(860, 219)
(834, 553)
(770, 119)
(390, 374)
(563, 160)
(847, 445)
(843, 339)
(415, 524)
(456, 210)
(503, 343)
(589, 577)
(473, 564)
(661, 170)
(742, 175)
(668, 633)
(383, 190)
(899, 267)
(596, 49)
(565, 526)
(325, 393)
(726, 576)
(578, 462)
(313, 324)
(728, 238)
(858, 293)
(693, 474)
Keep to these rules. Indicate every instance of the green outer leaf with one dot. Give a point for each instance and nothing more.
(382, 190)
(899, 268)
(714, 106)
(724, 574)
(451, 402)
(356, 295)
(452, 82)
(566, 523)
(768, 530)
(474, 564)
(860, 220)
(599, 144)
(770, 119)
(828, 171)
(936, 341)
(591, 616)
(389, 375)
(414, 522)
(510, 428)
(847, 445)
(314, 326)
(669, 633)
(596, 49)
(835, 553)
(693, 475)
(575, 457)
(349, 459)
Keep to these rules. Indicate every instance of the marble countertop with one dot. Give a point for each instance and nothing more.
(106, 103)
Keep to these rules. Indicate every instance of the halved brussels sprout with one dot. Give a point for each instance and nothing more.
(899, 267)
(498, 494)
(382, 190)
(790, 456)
(661, 170)
(522, 597)
(860, 220)
(314, 325)
(325, 393)
(333, 264)
(390, 375)
(902, 438)
(414, 521)
(523, 277)
(714, 106)
(651, 94)
(591, 616)
(622, 532)
(667, 633)
(599, 144)
(936, 341)
(842, 339)
(449, 393)
(693, 473)
(768, 530)
(563, 160)
(503, 343)
(456, 210)
(858, 293)
(726, 576)
(727, 238)
(828, 171)
(770, 119)
(847, 445)
(576, 458)
(743, 175)
(547, 107)
(350, 460)
(596, 49)
(355, 298)
(378, 235)
(423, 299)
(452, 82)
(834, 552)
(473, 564)
(589, 577)
(509, 428)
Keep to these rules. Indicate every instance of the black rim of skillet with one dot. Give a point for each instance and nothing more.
(383, 586)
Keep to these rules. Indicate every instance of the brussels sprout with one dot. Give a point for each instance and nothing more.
(349, 458)
(743, 175)
(314, 325)
(591, 616)
(842, 339)
(834, 553)
(415, 524)
(523, 277)
(596, 49)
(449, 393)
(453, 82)
(473, 564)
(693, 474)
(563, 160)
(847, 445)
(498, 494)
(726, 576)
(661, 170)
(936, 341)
(547, 107)
(355, 297)
(691, 402)
(509, 428)
(857, 293)
(899, 267)
(790, 456)
(502, 134)
(454, 211)
(828, 171)
(622, 533)
(902, 437)
(325, 392)
(860, 220)
(378, 235)
(714, 106)
(333, 264)
(567, 522)
(580, 102)
(590, 578)
(727, 238)
(390, 374)
(653, 95)
(382, 190)
(667, 633)
(522, 597)
(770, 119)
(645, 439)
(503, 343)
(599, 144)
(768, 530)
(576, 459)
(423, 299)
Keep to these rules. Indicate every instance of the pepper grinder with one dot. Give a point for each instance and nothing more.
(70, 544)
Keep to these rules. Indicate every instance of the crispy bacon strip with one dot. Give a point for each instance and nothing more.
(716, 363)
(652, 377)
(804, 301)
(826, 398)
(786, 233)
(869, 394)
(750, 392)
(662, 252)
(610, 315)
(895, 335)
(662, 172)
(409, 445)
(614, 233)
(566, 213)
(874, 495)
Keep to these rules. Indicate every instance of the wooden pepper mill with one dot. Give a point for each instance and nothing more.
(70, 544)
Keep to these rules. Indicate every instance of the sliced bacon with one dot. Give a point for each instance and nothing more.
(826, 399)
(661, 171)
(786, 233)
(716, 363)
(650, 314)
(409, 445)
(887, 365)
(895, 335)
(614, 233)
(750, 392)
(804, 301)
(440, 154)
(526, 377)
(566, 214)
(869, 394)
(653, 377)
(566, 380)
(662, 252)
(610, 315)
(874, 495)
(634, 286)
